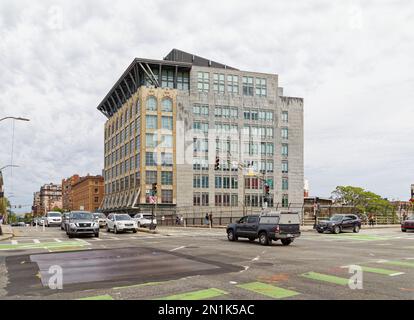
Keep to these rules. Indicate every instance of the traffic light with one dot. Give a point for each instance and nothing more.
(154, 189)
(267, 189)
(217, 165)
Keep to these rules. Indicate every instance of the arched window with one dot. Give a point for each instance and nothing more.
(152, 104)
(167, 105)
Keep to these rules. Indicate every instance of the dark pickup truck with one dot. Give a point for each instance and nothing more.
(267, 227)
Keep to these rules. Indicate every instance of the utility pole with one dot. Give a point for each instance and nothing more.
(154, 201)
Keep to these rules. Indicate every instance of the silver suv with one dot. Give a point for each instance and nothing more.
(81, 223)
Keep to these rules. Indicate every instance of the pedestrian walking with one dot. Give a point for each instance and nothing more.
(206, 219)
(177, 220)
(1, 219)
(404, 216)
(211, 219)
(371, 219)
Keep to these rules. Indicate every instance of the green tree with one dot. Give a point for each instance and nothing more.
(363, 200)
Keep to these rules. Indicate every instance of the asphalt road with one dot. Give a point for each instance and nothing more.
(196, 263)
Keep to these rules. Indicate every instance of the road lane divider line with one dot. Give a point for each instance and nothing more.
(325, 278)
(176, 249)
(58, 240)
(268, 290)
(196, 295)
(146, 284)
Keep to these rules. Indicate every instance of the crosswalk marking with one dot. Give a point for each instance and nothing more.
(36, 241)
(14, 242)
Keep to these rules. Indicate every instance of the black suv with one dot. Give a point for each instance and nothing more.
(340, 222)
(267, 227)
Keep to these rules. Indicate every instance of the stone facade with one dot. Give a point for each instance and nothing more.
(88, 193)
(67, 201)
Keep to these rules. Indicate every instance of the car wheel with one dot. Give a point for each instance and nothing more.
(135, 231)
(70, 235)
(139, 225)
(356, 229)
(286, 242)
(320, 231)
(115, 230)
(97, 235)
(107, 229)
(263, 239)
(231, 236)
(336, 230)
(404, 230)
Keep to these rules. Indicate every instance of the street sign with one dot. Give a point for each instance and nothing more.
(152, 199)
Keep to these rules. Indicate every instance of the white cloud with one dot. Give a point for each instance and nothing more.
(351, 61)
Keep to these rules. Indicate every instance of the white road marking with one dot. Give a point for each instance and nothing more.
(176, 249)
(36, 241)
(245, 269)
(256, 259)
(233, 282)
(396, 274)
(382, 261)
(14, 242)
(58, 240)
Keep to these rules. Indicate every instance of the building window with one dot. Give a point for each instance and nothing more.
(200, 145)
(167, 78)
(167, 105)
(204, 182)
(151, 158)
(183, 81)
(226, 200)
(166, 196)
(203, 81)
(269, 166)
(248, 86)
(285, 116)
(167, 123)
(197, 181)
(285, 166)
(200, 110)
(226, 182)
(151, 104)
(218, 182)
(205, 199)
(150, 177)
(218, 200)
(166, 141)
(285, 184)
(167, 178)
(285, 133)
(234, 200)
(218, 82)
(151, 140)
(285, 201)
(196, 199)
(261, 87)
(151, 122)
(202, 126)
(166, 159)
(232, 84)
(234, 183)
(285, 149)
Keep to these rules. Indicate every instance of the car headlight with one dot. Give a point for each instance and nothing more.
(72, 225)
(95, 224)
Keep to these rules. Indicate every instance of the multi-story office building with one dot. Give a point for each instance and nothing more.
(67, 199)
(171, 121)
(88, 193)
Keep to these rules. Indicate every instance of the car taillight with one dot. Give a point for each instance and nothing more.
(277, 229)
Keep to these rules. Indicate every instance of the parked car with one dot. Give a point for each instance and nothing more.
(118, 222)
(101, 218)
(407, 224)
(53, 218)
(144, 220)
(65, 219)
(284, 226)
(41, 221)
(81, 223)
(340, 222)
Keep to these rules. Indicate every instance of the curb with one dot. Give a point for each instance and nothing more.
(6, 237)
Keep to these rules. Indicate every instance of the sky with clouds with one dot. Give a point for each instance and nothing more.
(352, 62)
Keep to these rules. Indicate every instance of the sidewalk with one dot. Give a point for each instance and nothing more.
(7, 232)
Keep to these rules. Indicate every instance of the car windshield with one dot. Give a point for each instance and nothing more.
(122, 217)
(148, 216)
(336, 218)
(411, 218)
(81, 216)
(54, 214)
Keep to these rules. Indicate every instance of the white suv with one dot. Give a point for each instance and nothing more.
(53, 218)
(144, 220)
(118, 222)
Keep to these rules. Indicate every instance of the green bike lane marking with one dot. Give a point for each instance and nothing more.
(387, 272)
(196, 295)
(103, 297)
(45, 245)
(400, 263)
(326, 278)
(268, 290)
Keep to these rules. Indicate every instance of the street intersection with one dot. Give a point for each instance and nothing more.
(197, 263)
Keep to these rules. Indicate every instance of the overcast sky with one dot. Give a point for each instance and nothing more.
(352, 62)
